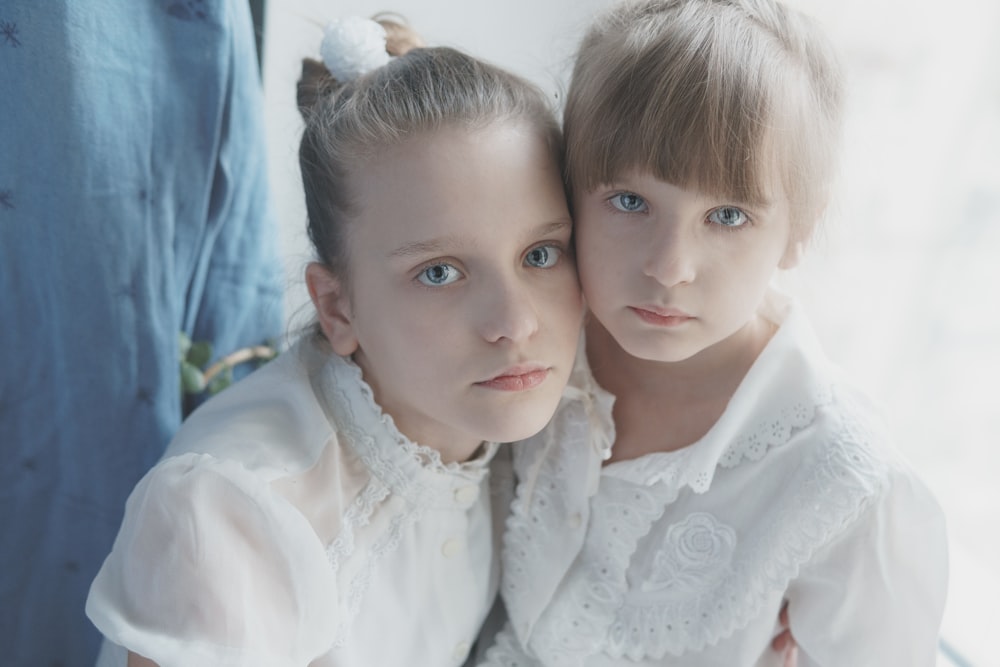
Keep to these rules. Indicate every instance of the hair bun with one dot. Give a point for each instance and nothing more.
(352, 47)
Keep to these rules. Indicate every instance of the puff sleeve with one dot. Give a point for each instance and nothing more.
(211, 567)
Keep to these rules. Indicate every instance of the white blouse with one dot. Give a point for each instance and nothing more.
(291, 524)
(685, 558)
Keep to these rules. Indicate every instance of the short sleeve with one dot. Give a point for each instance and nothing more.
(211, 567)
(876, 595)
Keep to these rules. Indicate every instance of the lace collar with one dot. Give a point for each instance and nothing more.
(764, 412)
(407, 468)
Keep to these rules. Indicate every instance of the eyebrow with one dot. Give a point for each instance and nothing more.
(430, 247)
(440, 244)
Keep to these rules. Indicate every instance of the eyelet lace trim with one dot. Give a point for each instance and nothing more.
(544, 499)
(593, 613)
(577, 623)
(778, 429)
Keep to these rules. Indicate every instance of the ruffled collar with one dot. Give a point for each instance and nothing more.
(764, 412)
(598, 402)
(407, 468)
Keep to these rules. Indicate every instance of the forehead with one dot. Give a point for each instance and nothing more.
(458, 183)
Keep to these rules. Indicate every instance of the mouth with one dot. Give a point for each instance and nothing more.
(662, 317)
(517, 378)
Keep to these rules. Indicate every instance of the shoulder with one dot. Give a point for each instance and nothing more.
(272, 421)
(846, 460)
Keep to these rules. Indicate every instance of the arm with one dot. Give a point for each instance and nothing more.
(875, 596)
(212, 568)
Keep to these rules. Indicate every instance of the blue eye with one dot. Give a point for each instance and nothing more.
(543, 257)
(437, 275)
(728, 216)
(628, 202)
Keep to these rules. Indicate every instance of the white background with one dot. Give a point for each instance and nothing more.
(902, 285)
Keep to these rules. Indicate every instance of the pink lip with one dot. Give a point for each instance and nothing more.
(663, 317)
(517, 378)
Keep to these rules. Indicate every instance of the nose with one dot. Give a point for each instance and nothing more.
(670, 256)
(507, 311)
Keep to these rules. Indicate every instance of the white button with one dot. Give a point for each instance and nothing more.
(466, 495)
(575, 520)
(461, 650)
(451, 547)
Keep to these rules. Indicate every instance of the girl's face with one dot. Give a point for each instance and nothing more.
(463, 307)
(671, 272)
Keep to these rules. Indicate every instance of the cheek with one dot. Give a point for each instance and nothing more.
(557, 300)
(571, 306)
(745, 280)
(593, 259)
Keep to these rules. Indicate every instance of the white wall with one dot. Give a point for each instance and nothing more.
(903, 287)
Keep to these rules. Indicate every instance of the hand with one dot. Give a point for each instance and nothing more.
(785, 643)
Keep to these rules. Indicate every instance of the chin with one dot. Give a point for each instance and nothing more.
(661, 353)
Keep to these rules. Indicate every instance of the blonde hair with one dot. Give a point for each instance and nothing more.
(718, 95)
(422, 89)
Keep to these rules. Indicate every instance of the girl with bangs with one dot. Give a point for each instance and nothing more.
(709, 469)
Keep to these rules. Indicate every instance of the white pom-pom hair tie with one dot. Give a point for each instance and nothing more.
(352, 47)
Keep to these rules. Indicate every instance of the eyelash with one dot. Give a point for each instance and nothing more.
(732, 228)
(557, 246)
(610, 202)
(430, 265)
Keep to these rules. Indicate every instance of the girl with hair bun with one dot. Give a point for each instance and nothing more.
(335, 508)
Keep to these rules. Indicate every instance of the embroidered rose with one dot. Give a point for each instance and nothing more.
(694, 556)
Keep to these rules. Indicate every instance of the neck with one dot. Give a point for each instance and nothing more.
(665, 406)
(459, 453)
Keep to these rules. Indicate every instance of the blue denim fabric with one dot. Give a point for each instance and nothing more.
(134, 204)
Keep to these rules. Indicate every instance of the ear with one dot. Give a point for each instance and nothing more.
(333, 306)
(793, 254)
(798, 239)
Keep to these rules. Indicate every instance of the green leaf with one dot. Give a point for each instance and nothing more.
(192, 379)
(199, 354)
(221, 381)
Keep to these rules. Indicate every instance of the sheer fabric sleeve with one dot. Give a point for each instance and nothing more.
(210, 567)
(876, 595)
